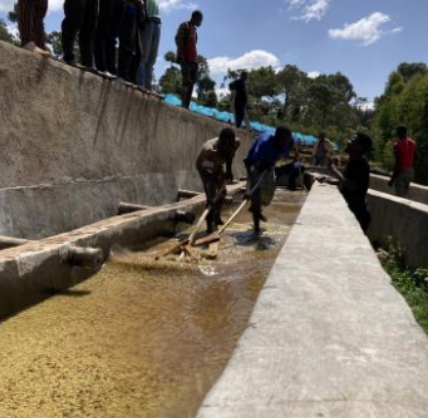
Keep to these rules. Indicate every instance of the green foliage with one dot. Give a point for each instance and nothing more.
(405, 101)
(4, 33)
(170, 82)
(287, 96)
(54, 40)
(412, 284)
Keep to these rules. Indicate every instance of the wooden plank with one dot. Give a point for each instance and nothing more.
(208, 239)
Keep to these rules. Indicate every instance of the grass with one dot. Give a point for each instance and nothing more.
(412, 284)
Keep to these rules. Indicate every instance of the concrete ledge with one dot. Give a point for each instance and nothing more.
(29, 273)
(417, 192)
(403, 220)
(329, 336)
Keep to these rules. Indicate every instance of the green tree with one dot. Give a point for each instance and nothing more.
(409, 70)
(4, 33)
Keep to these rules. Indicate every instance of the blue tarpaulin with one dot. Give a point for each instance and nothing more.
(228, 117)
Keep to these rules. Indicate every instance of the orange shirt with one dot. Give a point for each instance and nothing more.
(404, 150)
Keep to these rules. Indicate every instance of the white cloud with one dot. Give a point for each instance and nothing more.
(6, 5)
(314, 74)
(169, 5)
(55, 5)
(367, 30)
(249, 61)
(12, 28)
(309, 9)
(222, 91)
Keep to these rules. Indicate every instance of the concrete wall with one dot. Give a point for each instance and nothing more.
(404, 221)
(74, 145)
(417, 192)
(329, 335)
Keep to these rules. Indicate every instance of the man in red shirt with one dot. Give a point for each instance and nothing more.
(404, 152)
(187, 54)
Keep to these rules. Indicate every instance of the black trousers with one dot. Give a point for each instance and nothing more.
(129, 49)
(189, 74)
(108, 29)
(80, 18)
(239, 112)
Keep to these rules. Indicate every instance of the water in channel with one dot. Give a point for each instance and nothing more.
(133, 342)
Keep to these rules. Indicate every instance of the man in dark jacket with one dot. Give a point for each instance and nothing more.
(239, 90)
(354, 182)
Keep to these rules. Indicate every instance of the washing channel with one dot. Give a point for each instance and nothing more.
(136, 341)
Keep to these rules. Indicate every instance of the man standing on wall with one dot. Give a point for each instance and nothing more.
(187, 54)
(238, 89)
(80, 18)
(214, 154)
(260, 164)
(150, 33)
(404, 153)
(31, 14)
(108, 27)
(129, 40)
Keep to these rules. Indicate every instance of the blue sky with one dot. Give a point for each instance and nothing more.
(364, 39)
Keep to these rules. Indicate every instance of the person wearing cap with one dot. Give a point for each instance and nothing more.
(355, 180)
(150, 34)
(404, 154)
(260, 162)
(212, 159)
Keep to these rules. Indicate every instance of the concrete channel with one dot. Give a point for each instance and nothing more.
(140, 338)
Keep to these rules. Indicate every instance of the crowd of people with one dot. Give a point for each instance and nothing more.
(116, 38)
(120, 38)
(263, 170)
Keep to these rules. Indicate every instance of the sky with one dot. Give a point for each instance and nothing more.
(363, 39)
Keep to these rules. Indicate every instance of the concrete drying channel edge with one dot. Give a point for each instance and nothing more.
(29, 273)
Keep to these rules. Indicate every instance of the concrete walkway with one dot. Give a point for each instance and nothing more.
(330, 336)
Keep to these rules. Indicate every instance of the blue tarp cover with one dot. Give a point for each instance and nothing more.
(229, 118)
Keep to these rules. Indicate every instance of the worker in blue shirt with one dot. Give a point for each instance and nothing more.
(260, 163)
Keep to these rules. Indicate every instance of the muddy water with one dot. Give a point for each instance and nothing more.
(137, 342)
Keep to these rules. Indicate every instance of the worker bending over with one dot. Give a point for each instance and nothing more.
(260, 164)
(214, 155)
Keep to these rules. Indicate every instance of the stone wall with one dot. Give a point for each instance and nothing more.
(405, 221)
(74, 145)
(417, 192)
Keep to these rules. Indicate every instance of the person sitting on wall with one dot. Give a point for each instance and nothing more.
(260, 163)
(214, 155)
(30, 16)
(404, 153)
(354, 182)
